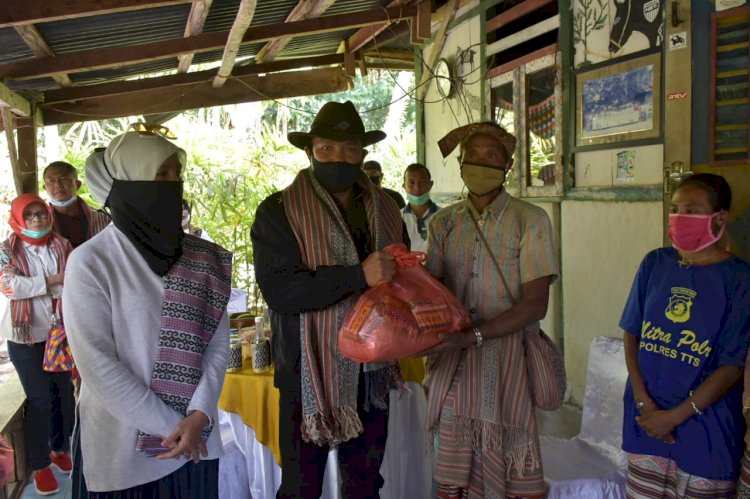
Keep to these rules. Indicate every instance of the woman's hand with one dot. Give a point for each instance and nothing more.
(451, 341)
(658, 423)
(54, 279)
(10, 270)
(186, 438)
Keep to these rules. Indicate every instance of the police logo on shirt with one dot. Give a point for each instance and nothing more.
(680, 303)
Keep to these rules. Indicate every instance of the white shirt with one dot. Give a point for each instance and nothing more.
(112, 304)
(414, 224)
(42, 263)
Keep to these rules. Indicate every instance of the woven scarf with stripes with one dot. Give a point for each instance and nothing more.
(196, 293)
(12, 252)
(329, 380)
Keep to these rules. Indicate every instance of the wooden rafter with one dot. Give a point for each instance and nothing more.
(38, 45)
(244, 17)
(163, 100)
(118, 56)
(437, 46)
(123, 88)
(393, 32)
(9, 126)
(368, 33)
(305, 9)
(15, 12)
(194, 26)
(9, 98)
(391, 55)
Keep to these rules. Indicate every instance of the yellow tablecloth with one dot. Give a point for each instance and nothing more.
(256, 400)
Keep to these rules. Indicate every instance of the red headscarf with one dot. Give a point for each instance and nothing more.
(17, 222)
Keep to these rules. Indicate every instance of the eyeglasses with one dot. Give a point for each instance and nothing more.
(152, 129)
(41, 215)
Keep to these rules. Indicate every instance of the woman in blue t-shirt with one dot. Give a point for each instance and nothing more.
(686, 323)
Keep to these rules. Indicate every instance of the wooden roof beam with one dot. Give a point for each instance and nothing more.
(39, 47)
(122, 88)
(16, 12)
(9, 125)
(365, 35)
(391, 55)
(244, 17)
(236, 90)
(9, 98)
(119, 56)
(305, 9)
(393, 32)
(437, 46)
(194, 26)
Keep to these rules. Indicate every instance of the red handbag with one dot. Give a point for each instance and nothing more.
(57, 354)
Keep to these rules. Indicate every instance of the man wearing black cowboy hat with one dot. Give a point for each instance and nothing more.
(316, 248)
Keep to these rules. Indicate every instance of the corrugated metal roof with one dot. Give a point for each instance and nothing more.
(151, 25)
(13, 46)
(113, 30)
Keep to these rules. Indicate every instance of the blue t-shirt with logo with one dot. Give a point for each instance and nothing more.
(689, 321)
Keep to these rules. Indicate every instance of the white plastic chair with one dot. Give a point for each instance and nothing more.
(592, 465)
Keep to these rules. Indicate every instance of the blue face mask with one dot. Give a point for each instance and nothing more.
(418, 200)
(36, 234)
(63, 204)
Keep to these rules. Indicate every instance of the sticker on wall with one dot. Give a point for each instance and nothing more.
(728, 4)
(625, 170)
(678, 41)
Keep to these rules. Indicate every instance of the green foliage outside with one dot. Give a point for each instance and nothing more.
(238, 155)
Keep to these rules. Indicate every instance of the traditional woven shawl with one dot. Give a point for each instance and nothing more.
(329, 380)
(196, 293)
(12, 252)
(494, 406)
(97, 220)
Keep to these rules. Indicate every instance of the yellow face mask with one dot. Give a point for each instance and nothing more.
(481, 180)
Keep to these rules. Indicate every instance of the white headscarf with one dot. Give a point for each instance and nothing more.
(130, 156)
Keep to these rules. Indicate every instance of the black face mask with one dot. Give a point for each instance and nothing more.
(149, 213)
(336, 176)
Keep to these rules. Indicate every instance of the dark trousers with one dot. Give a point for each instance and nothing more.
(303, 464)
(191, 481)
(48, 421)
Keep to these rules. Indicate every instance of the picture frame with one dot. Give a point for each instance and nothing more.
(619, 102)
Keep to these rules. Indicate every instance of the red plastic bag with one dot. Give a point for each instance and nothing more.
(403, 317)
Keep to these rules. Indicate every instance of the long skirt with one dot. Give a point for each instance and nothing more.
(485, 473)
(191, 481)
(660, 478)
(743, 484)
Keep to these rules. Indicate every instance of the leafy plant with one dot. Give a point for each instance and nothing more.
(588, 18)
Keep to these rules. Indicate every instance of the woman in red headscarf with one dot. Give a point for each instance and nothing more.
(32, 262)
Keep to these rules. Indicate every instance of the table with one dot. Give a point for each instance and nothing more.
(253, 428)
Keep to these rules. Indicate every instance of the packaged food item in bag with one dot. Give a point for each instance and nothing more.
(402, 317)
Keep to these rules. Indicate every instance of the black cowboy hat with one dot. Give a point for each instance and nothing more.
(336, 121)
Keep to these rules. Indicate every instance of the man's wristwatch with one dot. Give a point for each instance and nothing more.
(478, 334)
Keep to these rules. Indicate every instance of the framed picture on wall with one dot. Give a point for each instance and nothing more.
(619, 102)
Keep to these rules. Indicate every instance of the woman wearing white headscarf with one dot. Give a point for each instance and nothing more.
(146, 311)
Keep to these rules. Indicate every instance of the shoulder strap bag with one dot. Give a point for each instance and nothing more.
(545, 364)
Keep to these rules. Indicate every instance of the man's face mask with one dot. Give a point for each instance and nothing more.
(481, 180)
(336, 176)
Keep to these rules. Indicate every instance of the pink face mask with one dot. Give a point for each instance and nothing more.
(693, 233)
